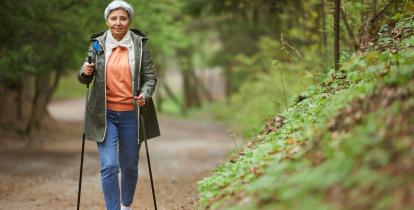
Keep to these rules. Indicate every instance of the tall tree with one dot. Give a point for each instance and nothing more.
(337, 14)
(41, 40)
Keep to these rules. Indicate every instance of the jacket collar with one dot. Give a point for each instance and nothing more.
(136, 35)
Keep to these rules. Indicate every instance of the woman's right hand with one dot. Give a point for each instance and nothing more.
(88, 68)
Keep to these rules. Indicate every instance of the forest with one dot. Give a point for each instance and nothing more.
(316, 95)
(268, 48)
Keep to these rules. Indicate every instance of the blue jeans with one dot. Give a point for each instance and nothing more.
(121, 132)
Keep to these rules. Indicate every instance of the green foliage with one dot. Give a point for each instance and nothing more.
(336, 149)
(265, 86)
(39, 34)
(162, 21)
(69, 88)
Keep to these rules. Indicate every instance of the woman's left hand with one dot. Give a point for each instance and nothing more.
(140, 100)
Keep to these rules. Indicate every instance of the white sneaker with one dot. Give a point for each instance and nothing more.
(125, 208)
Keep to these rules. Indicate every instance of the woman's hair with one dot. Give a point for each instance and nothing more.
(119, 4)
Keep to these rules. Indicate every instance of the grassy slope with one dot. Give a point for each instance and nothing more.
(346, 144)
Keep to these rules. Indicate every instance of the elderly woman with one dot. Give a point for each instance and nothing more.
(123, 82)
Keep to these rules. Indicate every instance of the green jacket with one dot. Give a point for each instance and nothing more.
(144, 81)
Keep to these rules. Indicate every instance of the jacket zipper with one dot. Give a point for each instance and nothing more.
(138, 85)
(106, 123)
(139, 73)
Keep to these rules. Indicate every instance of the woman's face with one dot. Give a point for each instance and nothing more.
(118, 23)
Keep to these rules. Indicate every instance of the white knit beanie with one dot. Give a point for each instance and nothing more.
(119, 4)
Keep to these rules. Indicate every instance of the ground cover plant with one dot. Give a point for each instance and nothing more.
(344, 144)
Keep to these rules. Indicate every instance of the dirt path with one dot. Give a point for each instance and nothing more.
(46, 175)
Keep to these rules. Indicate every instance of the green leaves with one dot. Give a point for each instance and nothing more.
(42, 37)
(342, 146)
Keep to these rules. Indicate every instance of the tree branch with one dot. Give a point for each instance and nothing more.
(201, 86)
(349, 29)
(373, 19)
(174, 98)
(72, 4)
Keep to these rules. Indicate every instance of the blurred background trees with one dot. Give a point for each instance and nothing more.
(40, 44)
(262, 51)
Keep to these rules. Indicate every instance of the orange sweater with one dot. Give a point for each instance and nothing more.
(118, 81)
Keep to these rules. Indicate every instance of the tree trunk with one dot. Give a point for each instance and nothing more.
(324, 34)
(174, 98)
(191, 94)
(373, 8)
(354, 44)
(2, 95)
(337, 14)
(227, 65)
(201, 86)
(363, 19)
(228, 82)
(19, 99)
(54, 85)
(44, 89)
(369, 25)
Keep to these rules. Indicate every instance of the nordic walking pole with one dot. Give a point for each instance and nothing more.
(148, 159)
(83, 139)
